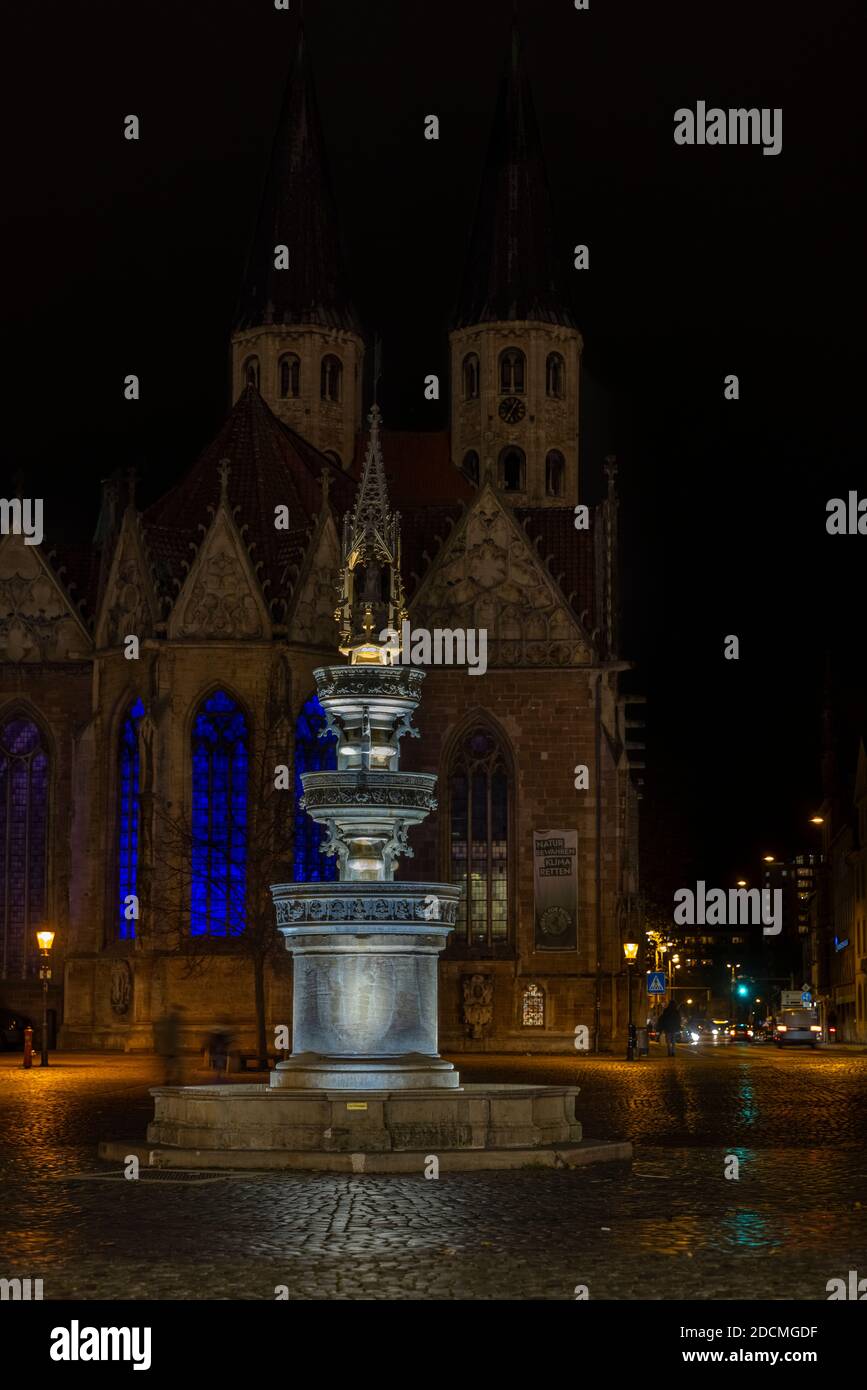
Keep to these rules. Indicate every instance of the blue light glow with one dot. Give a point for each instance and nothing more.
(220, 775)
(312, 754)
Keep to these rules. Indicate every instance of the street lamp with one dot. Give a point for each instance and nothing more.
(630, 951)
(45, 940)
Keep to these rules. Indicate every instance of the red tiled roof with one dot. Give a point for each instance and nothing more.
(269, 466)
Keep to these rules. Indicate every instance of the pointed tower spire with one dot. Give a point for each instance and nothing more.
(509, 271)
(371, 589)
(298, 212)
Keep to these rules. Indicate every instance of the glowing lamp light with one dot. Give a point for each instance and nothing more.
(45, 939)
(768, 858)
(817, 820)
(630, 950)
(742, 883)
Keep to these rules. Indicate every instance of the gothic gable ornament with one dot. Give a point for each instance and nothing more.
(220, 598)
(37, 621)
(488, 575)
(129, 604)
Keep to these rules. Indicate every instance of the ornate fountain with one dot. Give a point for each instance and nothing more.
(364, 1088)
(365, 948)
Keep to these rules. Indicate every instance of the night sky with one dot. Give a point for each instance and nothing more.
(125, 257)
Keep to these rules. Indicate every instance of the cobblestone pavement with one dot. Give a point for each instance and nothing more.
(671, 1227)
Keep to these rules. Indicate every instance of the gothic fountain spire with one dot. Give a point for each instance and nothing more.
(371, 589)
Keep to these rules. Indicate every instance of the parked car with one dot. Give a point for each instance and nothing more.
(740, 1032)
(12, 1027)
(796, 1026)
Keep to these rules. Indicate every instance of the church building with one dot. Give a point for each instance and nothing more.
(157, 691)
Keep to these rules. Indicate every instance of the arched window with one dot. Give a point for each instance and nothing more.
(511, 371)
(251, 372)
(533, 1007)
(290, 376)
(470, 466)
(220, 775)
(23, 843)
(128, 829)
(312, 754)
(479, 794)
(512, 469)
(555, 467)
(332, 372)
(471, 377)
(555, 375)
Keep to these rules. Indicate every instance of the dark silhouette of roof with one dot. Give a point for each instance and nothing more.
(269, 466)
(509, 271)
(297, 211)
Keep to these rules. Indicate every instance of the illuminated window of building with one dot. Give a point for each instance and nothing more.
(479, 797)
(312, 754)
(512, 363)
(290, 376)
(533, 1007)
(128, 814)
(23, 844)
(220, 777)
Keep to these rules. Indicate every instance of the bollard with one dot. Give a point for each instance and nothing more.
(28, 1047)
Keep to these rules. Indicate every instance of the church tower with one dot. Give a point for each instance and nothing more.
(515, 348)
(296, 335)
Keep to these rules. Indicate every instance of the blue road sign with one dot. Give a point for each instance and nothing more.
(655, 982)
(806, 997)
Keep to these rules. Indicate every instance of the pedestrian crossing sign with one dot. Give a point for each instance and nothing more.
(655, 982)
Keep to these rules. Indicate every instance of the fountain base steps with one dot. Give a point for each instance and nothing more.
(389, 1131)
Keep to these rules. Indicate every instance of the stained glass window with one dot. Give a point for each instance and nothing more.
(479, 825)
(533, 1007)
(312, 754)
(23, 843)
(128, 819)
(220, 778)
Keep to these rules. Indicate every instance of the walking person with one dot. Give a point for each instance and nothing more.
(670, 1025)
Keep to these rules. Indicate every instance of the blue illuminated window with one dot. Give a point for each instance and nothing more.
(220, 776)
(128, 829)
(312, 754)
(23, 839)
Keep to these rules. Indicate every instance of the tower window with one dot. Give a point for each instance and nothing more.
(555, 375)
(512, 363)
(479, 794)
(290, 376)
(470, 466)
(128, 818)
(330, 382)
(513, 465)
(220, 776)
(533, 1007)
(471, 377)
(23, 840)
(555, 468)
(251, 372)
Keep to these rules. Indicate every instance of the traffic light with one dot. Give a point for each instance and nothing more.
(743, 989)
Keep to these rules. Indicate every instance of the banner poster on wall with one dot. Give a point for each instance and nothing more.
(555, 889)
